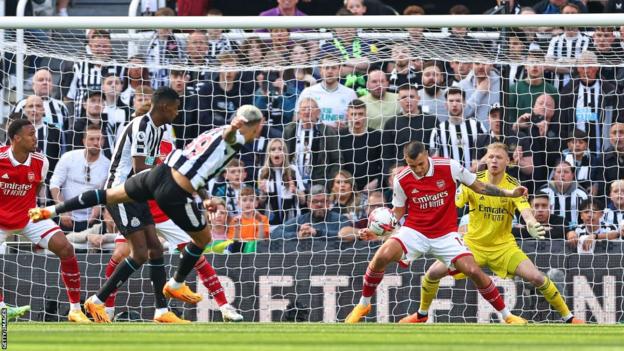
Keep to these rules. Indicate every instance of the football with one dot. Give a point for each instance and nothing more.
(381, 221)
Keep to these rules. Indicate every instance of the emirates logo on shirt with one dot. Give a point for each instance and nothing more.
(31, 176)
(441, 184)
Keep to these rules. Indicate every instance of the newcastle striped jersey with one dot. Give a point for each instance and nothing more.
(55, 111)
(205, 157)
(140, 137)
(565, 205)
(457, 141)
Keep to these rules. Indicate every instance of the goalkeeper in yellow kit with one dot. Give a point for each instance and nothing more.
(490, 240)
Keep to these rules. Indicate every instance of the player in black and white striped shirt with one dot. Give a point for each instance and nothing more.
(173, 184)
(135, 151)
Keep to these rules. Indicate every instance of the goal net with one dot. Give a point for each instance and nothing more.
(339, 105)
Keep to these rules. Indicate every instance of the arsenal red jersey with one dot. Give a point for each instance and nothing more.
(166, 146)
(430, 201)
(18, 187)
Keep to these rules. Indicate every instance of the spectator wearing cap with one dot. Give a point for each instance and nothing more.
(381, 105)
(585, 163)
(94, 115)
(456, 138)
(523, 94)
(411, 124)
(591, 104)
(432, 95)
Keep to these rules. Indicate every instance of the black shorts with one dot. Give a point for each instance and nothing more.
(131, 216)
(179, 205)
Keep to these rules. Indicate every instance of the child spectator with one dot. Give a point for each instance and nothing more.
(356, 7)
(585, 235)
(250, 225)
(584, 162)
(344, 197)
(229, 190)
(280, 184)
(218, 221)
(614, 213)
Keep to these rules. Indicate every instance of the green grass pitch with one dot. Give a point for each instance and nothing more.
(307, 336)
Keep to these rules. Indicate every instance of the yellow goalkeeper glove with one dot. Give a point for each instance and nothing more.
(536, 230)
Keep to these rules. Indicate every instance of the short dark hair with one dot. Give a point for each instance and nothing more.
(164, 94)
(407, 86)
(413, 10)
(413, 149)
(455, 91)
(578, 134)
(539, 195)
(91, 126)
(591, 204)
(459, 10)
(16, 126)
(433, 63)
(357, 104)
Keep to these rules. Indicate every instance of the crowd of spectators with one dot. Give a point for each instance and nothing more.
(336, 124)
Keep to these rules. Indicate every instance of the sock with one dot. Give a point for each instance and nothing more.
(554, 298)
(71, 278)
(85, 200)
(96, 300)
(63, 12)
(110, 268)
(74, 306)
(491, 295)
(2, 299)
(172, 283)
(160, 311)
(371, 280)
(190, 256)
(2, 305)
(209, 278)
(159, 278)
(122, 273)
(428, 291)
(110, 311)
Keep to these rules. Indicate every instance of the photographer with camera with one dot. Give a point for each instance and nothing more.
(543, 131)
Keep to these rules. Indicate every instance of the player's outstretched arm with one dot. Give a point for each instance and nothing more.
(492, 190)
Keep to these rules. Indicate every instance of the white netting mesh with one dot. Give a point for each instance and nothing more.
(276, 272)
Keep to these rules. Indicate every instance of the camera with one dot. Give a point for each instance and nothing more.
(536, 118)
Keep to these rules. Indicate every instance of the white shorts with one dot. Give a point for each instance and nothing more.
(173, 234)
(447, 248)
(38, 233)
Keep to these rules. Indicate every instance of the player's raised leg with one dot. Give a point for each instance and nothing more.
(467, 265)
(70, 273)
(428, 290)
(527, 271)
(390, 251)
(112, 196)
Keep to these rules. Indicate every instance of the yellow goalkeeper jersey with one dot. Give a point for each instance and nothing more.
(490, 217)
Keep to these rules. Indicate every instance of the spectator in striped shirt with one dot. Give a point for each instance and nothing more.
(564, 193)
(56, 112)
(592, 228)
(614, 213)
(564, 49)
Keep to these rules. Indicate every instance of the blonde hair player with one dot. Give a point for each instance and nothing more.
(490, 240)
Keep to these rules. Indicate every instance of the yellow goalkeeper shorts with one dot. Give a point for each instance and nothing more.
(503, 261)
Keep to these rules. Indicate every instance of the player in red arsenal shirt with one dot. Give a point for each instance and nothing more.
(22, 173)
(425, 189)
